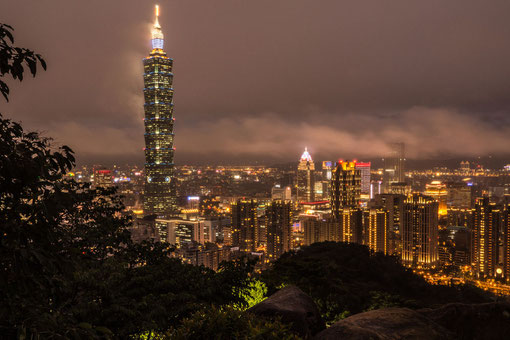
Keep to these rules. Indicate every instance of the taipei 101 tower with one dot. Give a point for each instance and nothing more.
(160, 189)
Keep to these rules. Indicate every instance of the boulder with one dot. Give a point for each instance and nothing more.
(293, 307)
(386, 324)
(478, 321)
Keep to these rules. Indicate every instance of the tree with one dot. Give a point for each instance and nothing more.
(13, 58)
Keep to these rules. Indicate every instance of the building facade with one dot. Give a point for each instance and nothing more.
(394, 165)
(305, 178)
(487, 229)
(345, 187)
(376, 233)
(278, 224)
(245, 227)
(420, 231)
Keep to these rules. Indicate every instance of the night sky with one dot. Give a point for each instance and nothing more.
(258, 80)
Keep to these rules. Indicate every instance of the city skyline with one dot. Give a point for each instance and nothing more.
(230, 110)
(400, 198)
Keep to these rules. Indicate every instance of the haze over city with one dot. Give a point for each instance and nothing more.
(260, 80)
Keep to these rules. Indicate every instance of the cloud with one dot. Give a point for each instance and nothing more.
(427, 132)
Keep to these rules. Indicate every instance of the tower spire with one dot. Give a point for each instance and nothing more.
(157, 33)
(156, 23)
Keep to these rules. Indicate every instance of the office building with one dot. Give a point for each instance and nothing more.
(181, 232)
(160, 189)
(420, 231)
(394, 205)
(394, 166)
(305, 178)
(376, 232)
(458, 195)
(319, 227)
(278, 224)
(345, 187)
(487, 232)
(437, 190)
(364, 168)
(350, 225)
(245, 227)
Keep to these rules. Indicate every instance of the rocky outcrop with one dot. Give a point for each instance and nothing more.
(293, 307)
(486, 321)
(480, 321)
(386, 324)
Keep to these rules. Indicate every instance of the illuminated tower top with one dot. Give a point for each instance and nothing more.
(306, 156)
(157, 33)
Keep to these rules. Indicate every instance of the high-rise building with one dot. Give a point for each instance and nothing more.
(345, 187)
(323, 181)
(458, 195)
(160, 189)
(438, 191)
(376, 233)
(305, 178)
(180, 232)
(350, 225)
(488, 226)
(394, 166)
(364, 168)
(278, 224)
(420, 231)
(319, 227)
(394, 205)
(506, 254)
(245, 225)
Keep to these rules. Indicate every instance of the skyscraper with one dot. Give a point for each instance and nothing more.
(376, 233)
(438, 191)
(394, 205)
(364, 168)
(394, 163)
(278, 223)
(420, 231)
(345, 187)
(488, 224)
(506, 254)
(305, 178)
(160, 190)
(245, 225)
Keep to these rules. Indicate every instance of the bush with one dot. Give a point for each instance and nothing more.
(228, 323)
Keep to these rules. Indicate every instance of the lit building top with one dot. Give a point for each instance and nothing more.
(346, 165)
(157, 33)
(306, 156)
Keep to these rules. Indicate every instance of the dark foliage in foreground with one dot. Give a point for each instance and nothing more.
(13, 59)
(229, 323)
(68, 266)
(345, 279)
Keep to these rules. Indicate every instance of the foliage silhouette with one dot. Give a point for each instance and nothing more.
(13, 58)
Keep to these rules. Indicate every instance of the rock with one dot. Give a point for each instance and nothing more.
(294, 307)
(386, 324)
(478, 321)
